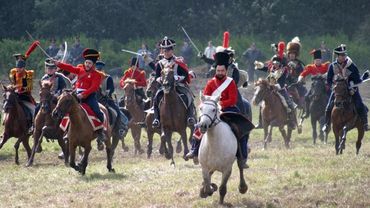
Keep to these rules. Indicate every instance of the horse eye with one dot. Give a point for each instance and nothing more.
(200, 108)
(213, 110)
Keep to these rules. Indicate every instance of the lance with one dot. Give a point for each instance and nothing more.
(46, 54)
(196, 48)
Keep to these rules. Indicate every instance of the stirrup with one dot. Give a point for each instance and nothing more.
(156, 123)
(191, 121)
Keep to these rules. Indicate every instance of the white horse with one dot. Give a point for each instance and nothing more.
(217, 150)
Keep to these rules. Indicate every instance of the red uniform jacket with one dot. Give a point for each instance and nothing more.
(312, 69)
(138, 75)
(228, 96)
(89, 81)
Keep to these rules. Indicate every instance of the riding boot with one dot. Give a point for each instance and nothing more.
(259, 125)
(100, 138)
(326, 126)
(243, 142)
(190, 112)
(195, 144)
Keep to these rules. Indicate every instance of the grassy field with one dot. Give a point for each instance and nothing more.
(303, 176)
(306, 175)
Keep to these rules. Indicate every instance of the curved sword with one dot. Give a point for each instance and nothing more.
(196, 48)
(65, 51)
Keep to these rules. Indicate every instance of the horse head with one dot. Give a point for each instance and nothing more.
(341, 88)
(262, 88)
(129, 91)
(318, 87)
(10, 98)
(46, 97)
(153, 87)
(66, 101)
(209, 113)
(168, 79)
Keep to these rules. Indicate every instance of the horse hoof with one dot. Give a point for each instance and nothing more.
(28, 164)
(195, 160)
(168, 156)
(202, 193)
(112, 170)
(299, 129)
(243, 188)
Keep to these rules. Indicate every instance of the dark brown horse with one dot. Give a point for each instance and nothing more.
(274, 113)
(344, 117)
(15, 123)
(297, 99)
(152, 89)
(319, 99)
(173, 114)
(45, 125)
(137, 113)
(80, 131)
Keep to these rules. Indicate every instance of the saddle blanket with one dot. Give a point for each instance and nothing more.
(94, 121)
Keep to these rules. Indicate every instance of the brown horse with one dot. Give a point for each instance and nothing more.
(173, 115)
(274, 113)
(15, 122)
(80, 132)
(137, 113)
(45, 125)
(344, 117)
(151, 91)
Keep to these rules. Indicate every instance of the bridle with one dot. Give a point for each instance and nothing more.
(214, 120)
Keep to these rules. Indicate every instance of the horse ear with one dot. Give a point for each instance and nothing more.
(202, 98)
(216, 98)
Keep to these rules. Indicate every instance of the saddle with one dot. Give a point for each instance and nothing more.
(239, 124)
(185, 95)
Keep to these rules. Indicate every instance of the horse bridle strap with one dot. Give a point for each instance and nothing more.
(214, 120)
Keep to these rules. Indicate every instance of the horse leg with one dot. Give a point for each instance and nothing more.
(36, 141)
(360, 135)
(269, 136)
(170, 147)
(285, 136)
(336, 135)
(322, 137)
(265, 131)
(205, 190)
(178, 145)
(136, 133)
(84, 161)
(149, 147)
(115, 141)
(16, 147)
(314, 132)
(243, 187)
(26, 145)
(72, 156)
(5, 139)
(342, 143)
(223, 186)
(185, 141)
(108, 149)
(63, 146)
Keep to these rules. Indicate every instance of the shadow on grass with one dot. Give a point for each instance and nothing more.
(98, 176)
(6, 156)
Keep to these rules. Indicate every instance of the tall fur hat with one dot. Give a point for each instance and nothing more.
(91, 54)
(294, 46)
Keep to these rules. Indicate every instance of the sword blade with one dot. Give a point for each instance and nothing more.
(132, 52)
(192, 43)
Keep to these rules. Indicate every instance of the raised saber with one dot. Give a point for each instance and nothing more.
(192, 43)
(46, 54)
(132, 52)
(65, 51)
(356, 85)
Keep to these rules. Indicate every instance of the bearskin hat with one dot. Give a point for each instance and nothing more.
(294, 46)
(222, 58)
(316, 53)
(91, 54)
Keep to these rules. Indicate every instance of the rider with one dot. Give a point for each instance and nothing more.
(317, 68)
(22, 79)
(344, 67)
(295, 67)
(88, 83)
(138, 75)
(106, 92)
(278, 73)
(181, 76)
(228, 99)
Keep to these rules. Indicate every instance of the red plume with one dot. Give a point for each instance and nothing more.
(281, 48)
(32, 48)
(226, 39)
